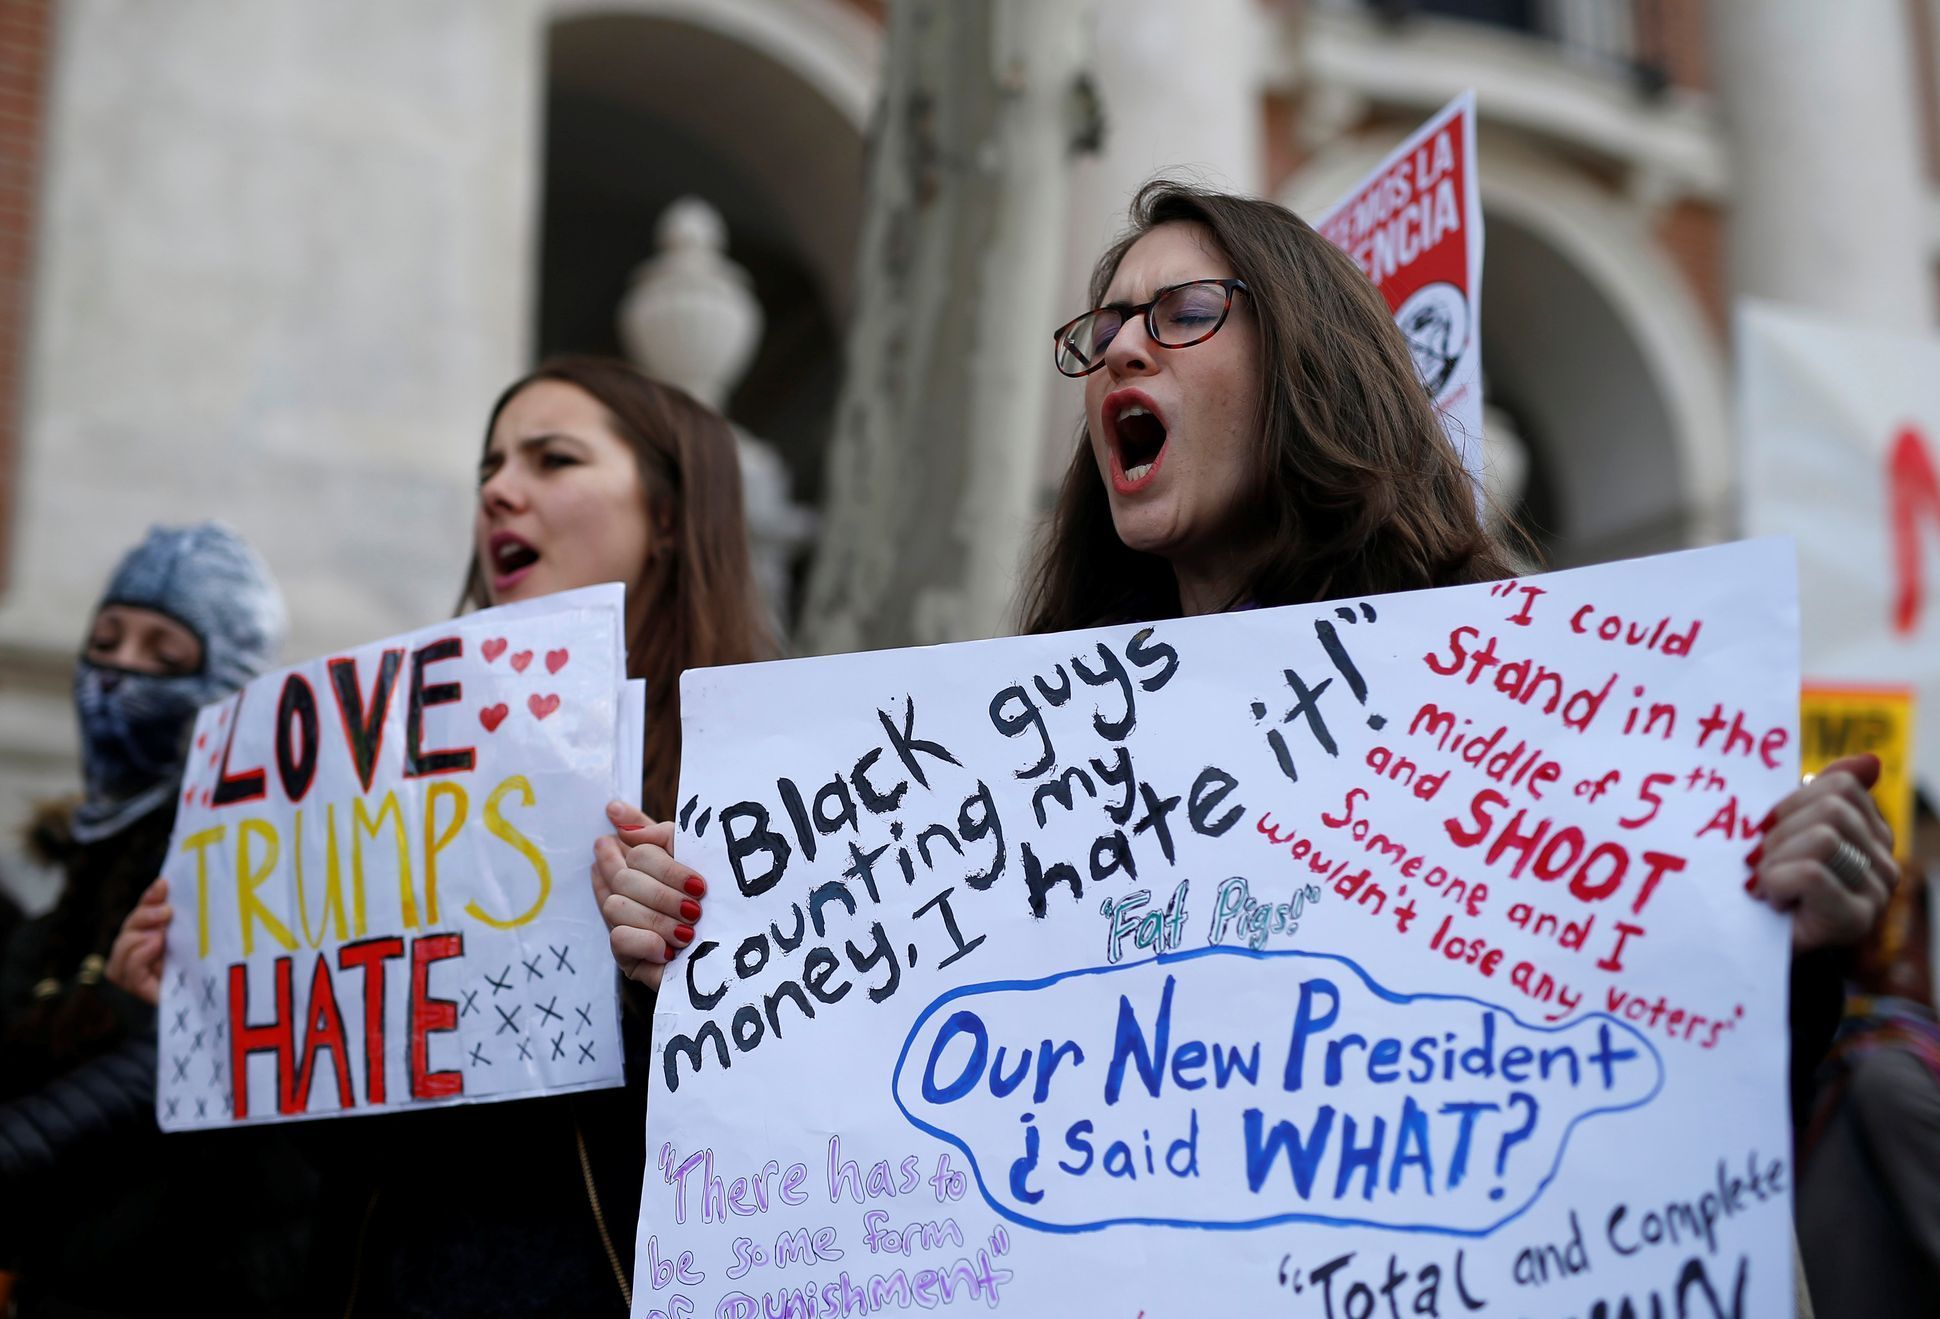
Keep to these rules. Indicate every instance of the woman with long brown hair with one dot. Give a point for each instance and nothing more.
(1290, 456)
(591, 472)
(1255, 435)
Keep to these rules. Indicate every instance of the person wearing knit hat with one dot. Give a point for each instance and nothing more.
(188, 617)
(203, 581)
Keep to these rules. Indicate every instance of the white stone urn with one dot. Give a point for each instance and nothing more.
(690, 319)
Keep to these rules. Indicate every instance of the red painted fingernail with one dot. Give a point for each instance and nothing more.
(1756, 853)
(695, 886)
(1771, 818)
(1751, 883)
(683, 934)
(690, 910)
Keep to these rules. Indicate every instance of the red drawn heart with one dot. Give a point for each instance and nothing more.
(493, 649)
(556, 660)
(520, 660)
(541, 706)
(494, 715)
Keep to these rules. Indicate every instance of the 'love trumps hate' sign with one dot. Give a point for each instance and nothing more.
(379, 868)
(1384, 955)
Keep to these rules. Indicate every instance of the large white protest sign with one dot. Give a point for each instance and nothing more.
(1414, 224)
(379, 873)
(1389, 952)
(1841, 433)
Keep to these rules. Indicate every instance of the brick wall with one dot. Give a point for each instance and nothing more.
(878, 10)
(1925, 42)
(1692, 234)
(1672, 37)
(1280, 137)
(25, 34)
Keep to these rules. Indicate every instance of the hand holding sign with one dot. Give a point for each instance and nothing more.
(1798, 867)
(135, 960)
(648, 900)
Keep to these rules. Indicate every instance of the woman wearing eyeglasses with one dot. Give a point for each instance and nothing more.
(1254, 431)
(1255, 434)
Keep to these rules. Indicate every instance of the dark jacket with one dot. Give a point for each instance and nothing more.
(490, 1209)
(112, 1092)
(56, 1008)
(101, 1214)
(1869, 1181)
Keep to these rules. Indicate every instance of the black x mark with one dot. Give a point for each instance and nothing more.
(181, 1021)
(471, 1002)
(202, 1108)
(508, 1019)
(547, 1012)
(525, 1050)
(532, 971)
(478, 1055)
(172, 1105)
(559, 1045)
(562, 964)
(585, 1019)
(182, 1068)
(198, 1040)
(586, 1052)
(503, 980)
(209, 994)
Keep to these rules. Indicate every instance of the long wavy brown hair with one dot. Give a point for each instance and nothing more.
(701, 604)
(1355, 486)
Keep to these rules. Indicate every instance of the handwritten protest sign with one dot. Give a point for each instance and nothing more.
(1837, 721)
(1391, 952)
(1841, 435)
(378, 871)
(1414, 224)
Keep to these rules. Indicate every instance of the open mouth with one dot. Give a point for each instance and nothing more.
(511, 557)
(1138, 436)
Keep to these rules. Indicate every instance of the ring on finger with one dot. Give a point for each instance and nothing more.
(1850, 866)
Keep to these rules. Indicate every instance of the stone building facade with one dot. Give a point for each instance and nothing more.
(272, 262)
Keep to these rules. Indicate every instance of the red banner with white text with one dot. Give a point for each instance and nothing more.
(1414, 224)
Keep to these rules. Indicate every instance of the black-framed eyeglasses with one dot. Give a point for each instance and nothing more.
(1178, 316)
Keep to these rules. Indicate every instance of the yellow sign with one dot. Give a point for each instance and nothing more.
(1836, 721)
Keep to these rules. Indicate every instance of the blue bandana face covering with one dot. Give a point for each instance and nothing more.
(135, 726)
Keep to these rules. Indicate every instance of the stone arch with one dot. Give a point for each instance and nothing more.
(827, 44)
(760, 107)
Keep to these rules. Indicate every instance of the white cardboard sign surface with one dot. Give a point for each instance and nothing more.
(1841, 433)
(1275, 962)
(379, 873)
